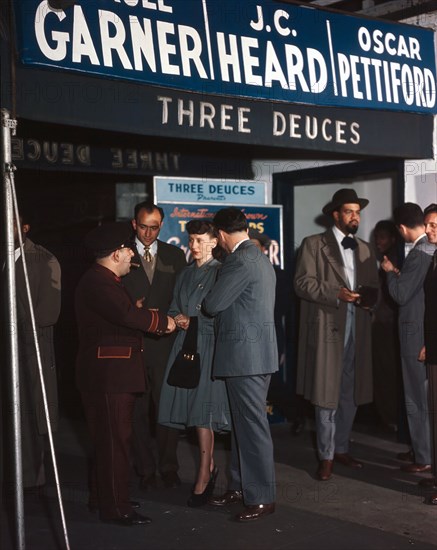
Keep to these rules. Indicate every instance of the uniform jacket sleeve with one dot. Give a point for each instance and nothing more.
(112, 302)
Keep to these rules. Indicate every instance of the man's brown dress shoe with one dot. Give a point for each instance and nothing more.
(230, 497)
(347, 460)
(325, 470)
(255, 511)
(428, 482)
(408, 456)
(416, 468)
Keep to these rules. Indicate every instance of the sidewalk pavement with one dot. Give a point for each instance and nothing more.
(378, 507)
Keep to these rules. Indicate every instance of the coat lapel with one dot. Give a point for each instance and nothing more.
(333, 256)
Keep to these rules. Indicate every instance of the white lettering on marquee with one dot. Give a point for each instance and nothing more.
(151, 45)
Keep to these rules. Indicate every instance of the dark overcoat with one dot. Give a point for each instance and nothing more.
(430, 288)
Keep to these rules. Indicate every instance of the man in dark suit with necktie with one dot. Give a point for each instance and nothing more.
(243, 300)
(153, 282)
(429, 351)
(334, 359)
(406, 289)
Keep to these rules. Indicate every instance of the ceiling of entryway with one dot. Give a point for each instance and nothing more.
(394, 10)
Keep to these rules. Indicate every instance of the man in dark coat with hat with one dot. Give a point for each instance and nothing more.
(109, 368)
(334, 360)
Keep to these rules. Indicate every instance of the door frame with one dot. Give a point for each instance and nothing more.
(283, 193)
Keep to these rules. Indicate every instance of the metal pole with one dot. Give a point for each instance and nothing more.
(39, 361)
(8, 126)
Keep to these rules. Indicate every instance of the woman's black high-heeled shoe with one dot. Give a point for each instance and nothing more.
(195, 500)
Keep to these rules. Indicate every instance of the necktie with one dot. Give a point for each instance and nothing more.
(147, 256)
(349, 242)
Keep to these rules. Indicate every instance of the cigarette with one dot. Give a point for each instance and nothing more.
(133, 264)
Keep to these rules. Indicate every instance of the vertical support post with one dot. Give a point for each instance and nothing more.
(8, 127)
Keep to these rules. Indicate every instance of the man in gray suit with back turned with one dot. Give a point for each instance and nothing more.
(406, 289)
(243, 301)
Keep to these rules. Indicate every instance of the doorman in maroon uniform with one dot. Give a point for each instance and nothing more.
(110, 369)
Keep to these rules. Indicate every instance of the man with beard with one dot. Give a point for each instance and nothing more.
(335, 278)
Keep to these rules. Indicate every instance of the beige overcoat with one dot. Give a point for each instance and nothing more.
(319, 276)
(45, 287)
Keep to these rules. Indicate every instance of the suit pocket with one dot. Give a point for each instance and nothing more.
(114, 352)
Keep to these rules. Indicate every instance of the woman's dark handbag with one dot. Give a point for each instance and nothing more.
(185, 371)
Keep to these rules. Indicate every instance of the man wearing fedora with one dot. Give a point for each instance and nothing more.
(335, 357)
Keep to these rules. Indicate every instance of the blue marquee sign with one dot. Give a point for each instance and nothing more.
(209, 190)
(266, 219)
(261, 49)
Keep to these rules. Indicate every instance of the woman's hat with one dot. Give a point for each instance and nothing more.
(344, 196)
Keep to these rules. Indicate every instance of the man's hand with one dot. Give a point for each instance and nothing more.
(171, 325)
(139, 303)
(346, 295)
(422, 354)
(182, 321)
(387, 266)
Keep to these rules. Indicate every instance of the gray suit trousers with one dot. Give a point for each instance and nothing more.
(416, 400)
(252, 463)
(334, 426)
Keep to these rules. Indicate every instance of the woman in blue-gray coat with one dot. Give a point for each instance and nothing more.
(205, 407)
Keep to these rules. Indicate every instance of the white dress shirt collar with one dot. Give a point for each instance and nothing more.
(418, 239)
(339, 235)
(140, 247)
(238, 244)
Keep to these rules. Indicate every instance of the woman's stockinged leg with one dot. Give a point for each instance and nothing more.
(205, 438)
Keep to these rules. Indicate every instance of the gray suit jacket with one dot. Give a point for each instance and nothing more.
(406, 289)
(243, 299)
